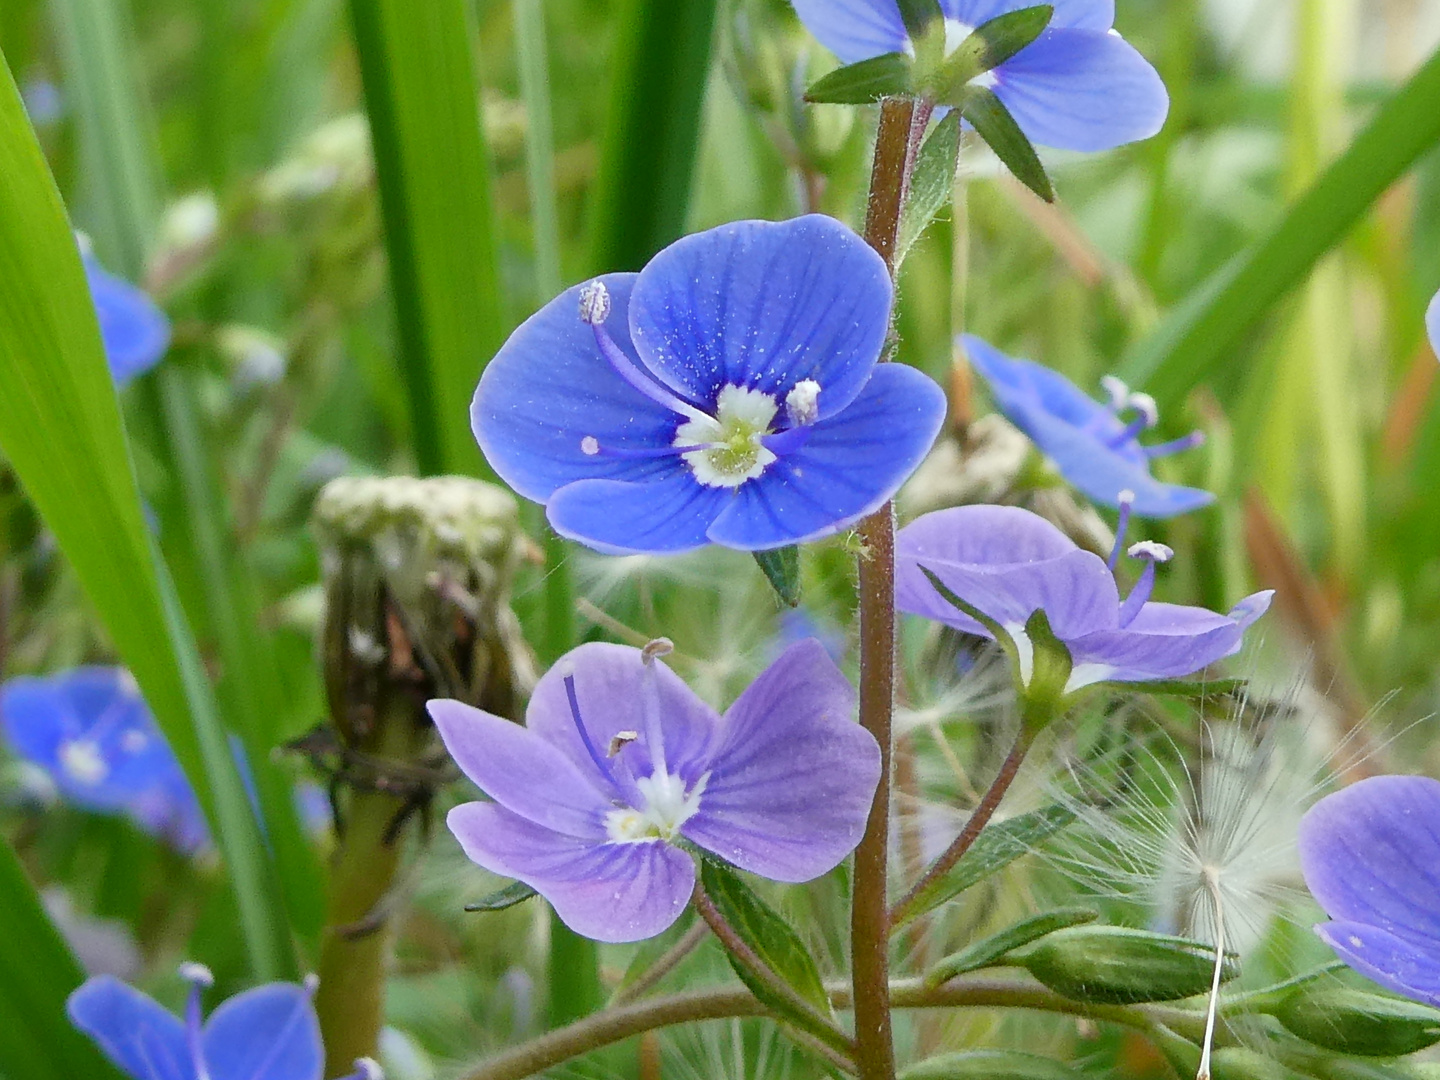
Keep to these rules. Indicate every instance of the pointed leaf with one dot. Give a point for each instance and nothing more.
(992, 949)
(517, 892)
(1003, 135)
(932, 185)
(888, 75)
(782, 570)
(989, 46)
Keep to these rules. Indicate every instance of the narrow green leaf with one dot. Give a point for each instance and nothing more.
(990, 1065)
(782, 570)
(423, 99)
(987, 47)
(998, 128)
(37, 974)
(920, 17)
(1205, 334)
(1181, 688)
(932, 185)
(998, 846)
(888, 75)
(517, 892)
(987, 952)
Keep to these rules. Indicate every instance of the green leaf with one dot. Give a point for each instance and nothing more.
(782, 570)
(998, 128)
(1182, 688)
(989, 46)
(423, 99)
(990, 1065)
(933, 184)
(921, 17)
(1205, 334)
(997, 847)
(517, 892)
(989, 951)
(888, 75)
(37, 974)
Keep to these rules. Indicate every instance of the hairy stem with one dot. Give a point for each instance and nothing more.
(984, 811)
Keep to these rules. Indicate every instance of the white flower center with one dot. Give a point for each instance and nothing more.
(733, 452)
(82, 761)
(667, 806)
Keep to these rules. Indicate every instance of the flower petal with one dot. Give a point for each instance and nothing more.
(135, 332)
(1432, 324)
(851, 465)
(1082, 14)
(548, 388)
(663, 516)
(1164, 641)
(792, 782)
(854, 29)
(268, 1033)
(522, 771)
(1403, 966)
(139, 1036)
(608, 892)
(764, 305)
(1371, 854)
(609, 686)
(1082, 90)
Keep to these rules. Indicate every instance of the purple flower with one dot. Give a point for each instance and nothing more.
(1432, 323)
(135, 331)
(1008, 563)
(91, 731)
(619, 761)
(1371, 857)
(1078, 86)
(728, 393)
(1092, 445)
(268, 1033)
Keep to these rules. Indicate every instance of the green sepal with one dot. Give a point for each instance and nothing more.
(932, 185)
(1043, 699)
(1190, 689)
(1000, 844)
(782, 569)
(1349, 1021)
(887, 75)
(994, 949)
(517, 892)
(1117, 965)
(990, 1065)
(999, 633)
(925, 26)
(987, 47)
(998, 128)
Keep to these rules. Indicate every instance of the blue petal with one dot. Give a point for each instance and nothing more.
(135, 331)
(660, 517)
(146, 1041)
(1405, 966)
(1432, 323)
(1080, 14)
(1082, 90)
(549, 387)
(850, 466)
(609, 892)
(268, 1033)
(764, 305)
(1164, 641)
(854, 29)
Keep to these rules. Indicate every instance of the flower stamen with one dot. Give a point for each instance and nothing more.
(1175, 446)
(1139, 596)
(1126, 499)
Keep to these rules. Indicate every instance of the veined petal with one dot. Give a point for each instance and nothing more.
(549, 388)
(1102, 475)
(664, 515)
(764, 305)
(523, 771)
(268, 1033)
(1081, 14)
(608, 892)
(1164, 641)
(791, 784)
(1371, 854)
(135, 331)
(854, 29)
(1401, 965)
(141, 1038)
(851, 465)
(1082, 90)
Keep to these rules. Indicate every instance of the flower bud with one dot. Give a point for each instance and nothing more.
(1358, 1022)
(1120, 966)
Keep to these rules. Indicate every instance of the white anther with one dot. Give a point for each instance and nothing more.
(311, 982)
(621, 740)
(1126, 498)
(802, 404)
(590, 446)
(1116, 390)
(1149, 549)
(369, 1068)
(81, 759)
(594, 303)
(1145, 405)
(658, 647)
(133, 741)
(198, 974)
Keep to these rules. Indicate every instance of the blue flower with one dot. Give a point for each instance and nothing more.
(1371, 857)
(268, 1033)
(1092, 446)
(729, 393)
(91, 731)
(1078, 86)
(1432, 323)
(135, 331)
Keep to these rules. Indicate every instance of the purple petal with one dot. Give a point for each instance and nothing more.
(549, 388)
(663, 516)
(854, 29)
(792, 782)
(609, 684)
(764, 305)
(1432, 324)
(135, 332)
(1083, 14)
(851, 465)
(608, 892)
(1371, 854)
(268, 1033)
(139, 1036)
(522, 771)
(1082, 90)
(1404, 966)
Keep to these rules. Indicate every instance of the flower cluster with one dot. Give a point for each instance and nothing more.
(135, 332)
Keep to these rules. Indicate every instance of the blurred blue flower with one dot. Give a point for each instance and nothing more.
(92, 733)
(729, 393)
(797, 624)
(1091, 445)
(136, 333)
(44, 103)
(268, 1033)
(1371, 857)
(1008, 563)
(1078, 86)
(1432, 323)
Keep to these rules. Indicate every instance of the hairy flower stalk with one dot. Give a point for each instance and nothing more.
(417, 584)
